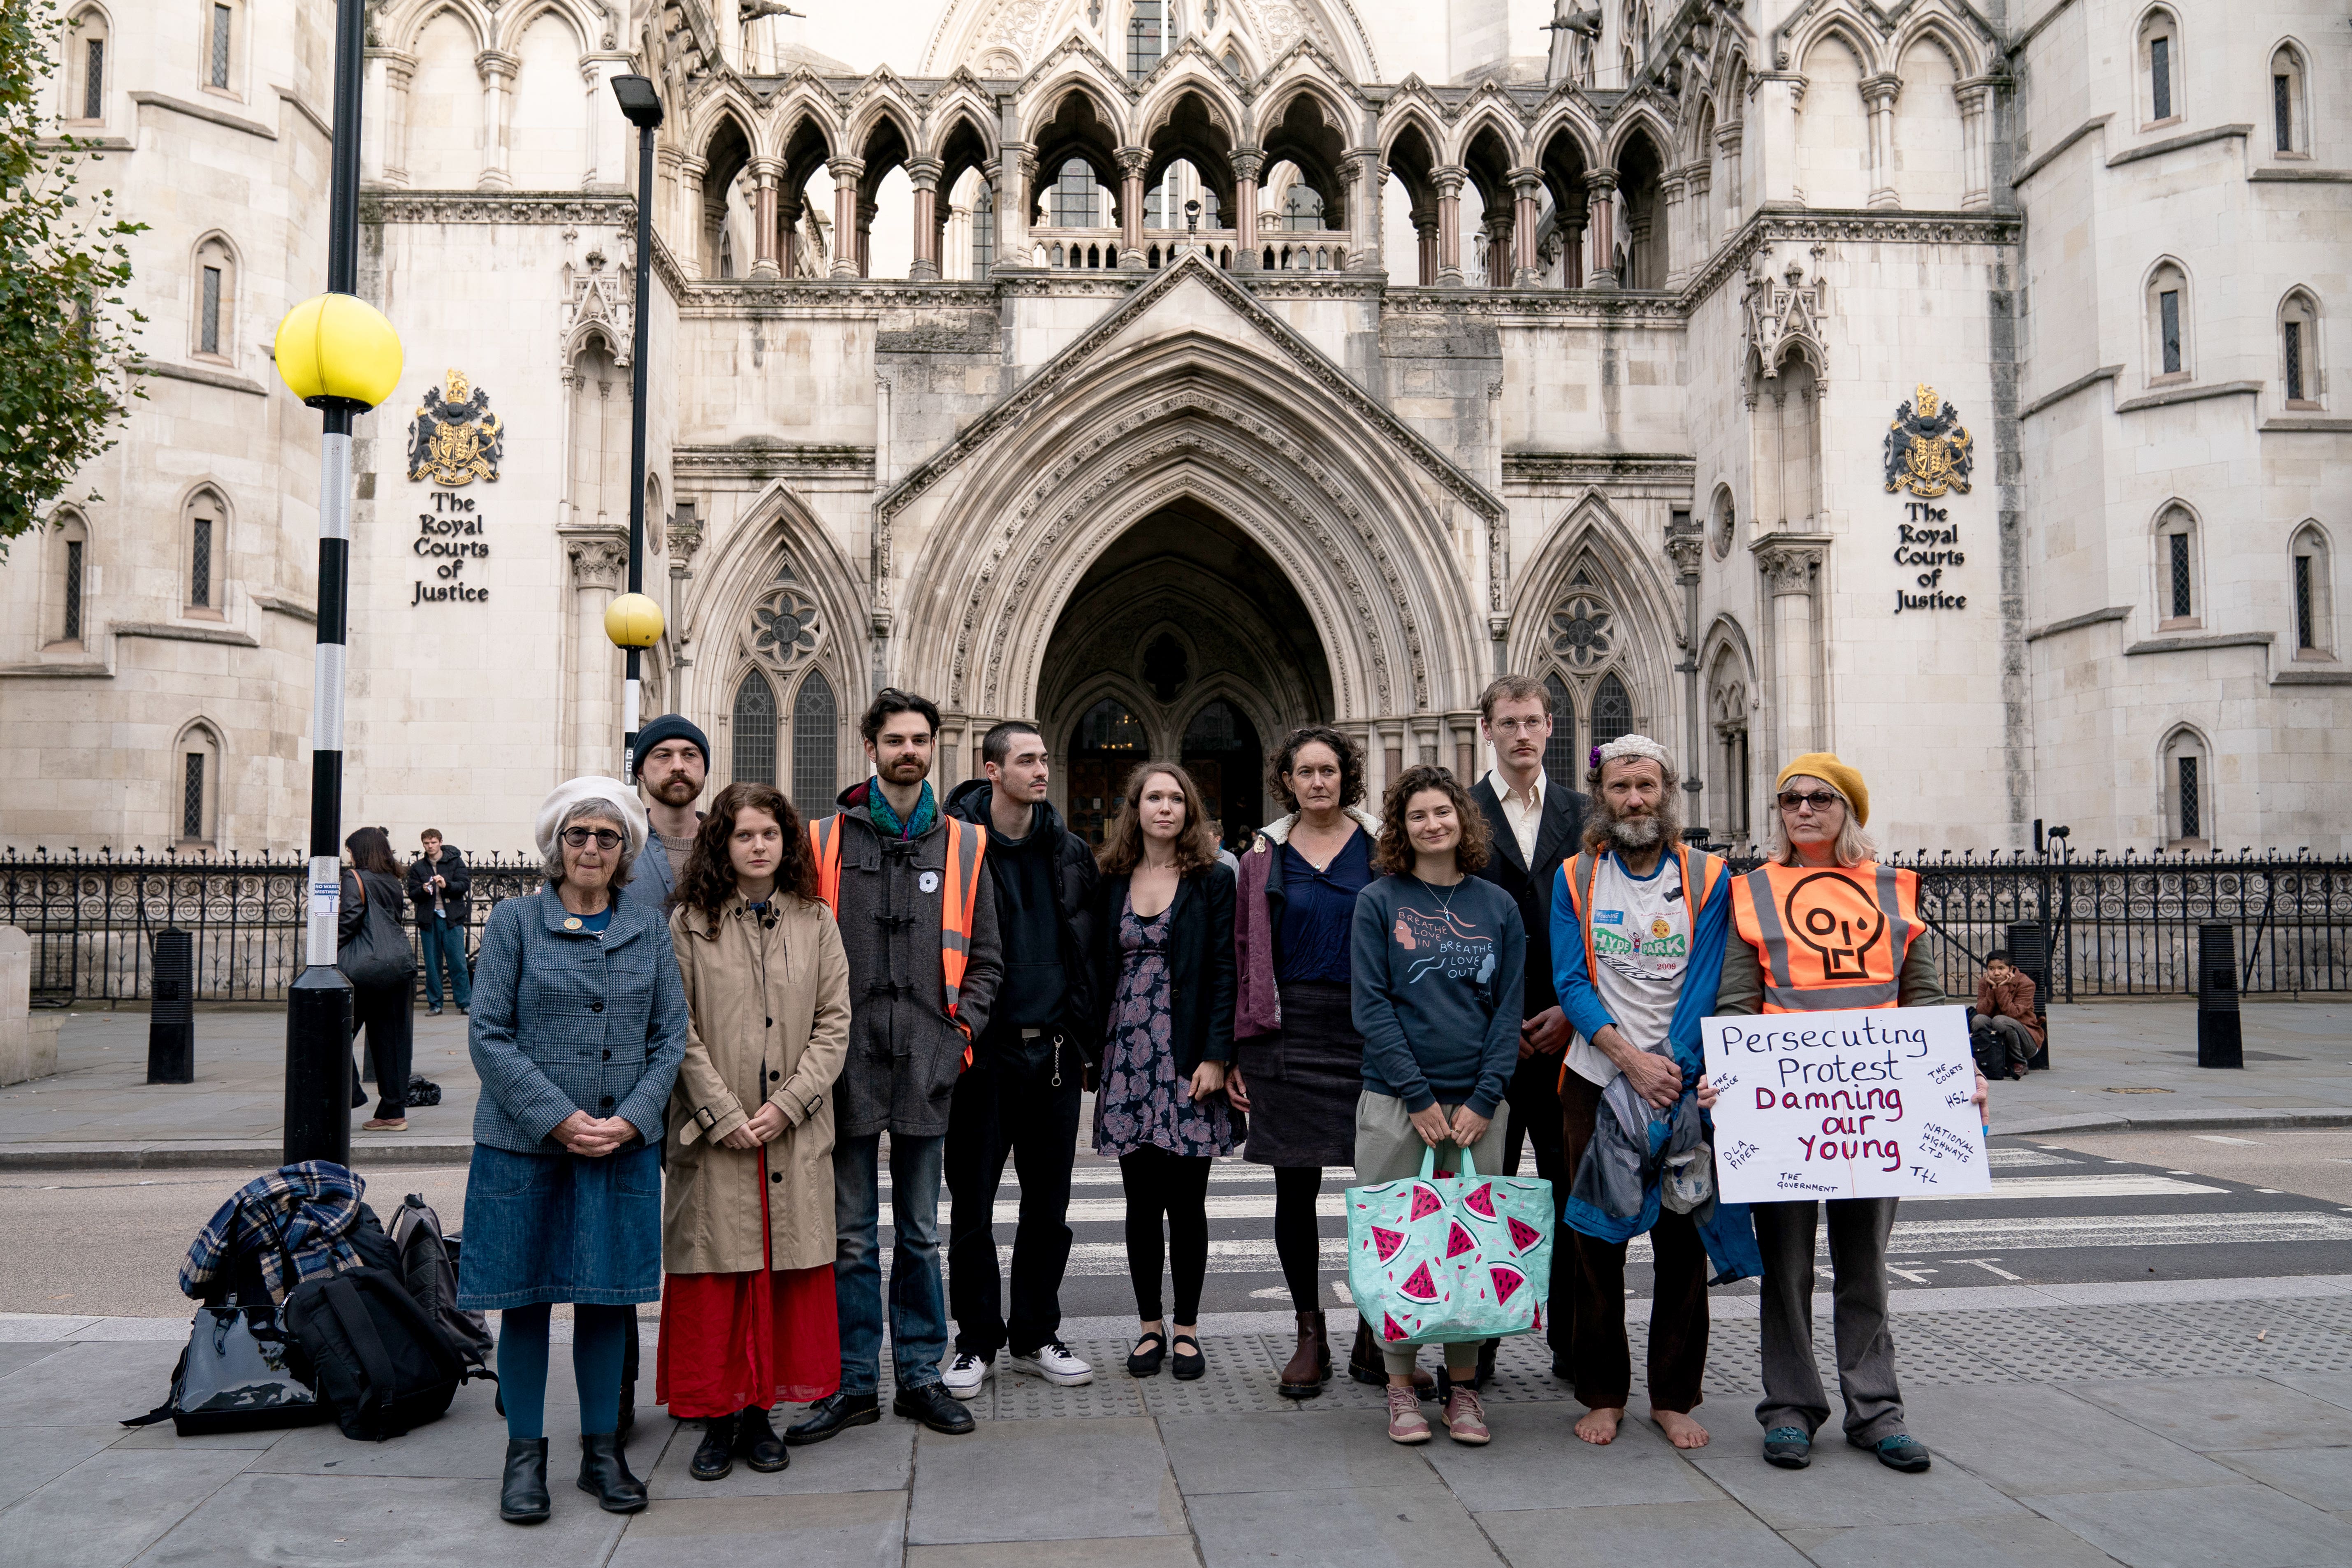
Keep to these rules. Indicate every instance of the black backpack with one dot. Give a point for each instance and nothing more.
(362, 1341)
(428, 1267)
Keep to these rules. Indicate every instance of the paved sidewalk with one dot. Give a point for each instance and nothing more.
(2116, 1066)
(2181, 1425)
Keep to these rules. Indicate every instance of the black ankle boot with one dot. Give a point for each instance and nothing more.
(604, 1474)
(716, 1458)
(756, 1441)
(522, 1494)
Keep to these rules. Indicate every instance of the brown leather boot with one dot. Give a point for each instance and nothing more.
(1365, 1365)
(1310, 1365)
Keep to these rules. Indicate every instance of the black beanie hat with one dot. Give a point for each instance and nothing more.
(672, 727)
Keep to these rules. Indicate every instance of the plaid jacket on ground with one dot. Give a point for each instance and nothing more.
(313, 1206)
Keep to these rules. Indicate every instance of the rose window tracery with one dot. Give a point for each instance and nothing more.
(1583, 632)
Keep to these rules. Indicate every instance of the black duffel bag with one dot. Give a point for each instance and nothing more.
(361, 1340)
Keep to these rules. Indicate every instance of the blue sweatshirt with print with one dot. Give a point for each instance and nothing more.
(1437, 976)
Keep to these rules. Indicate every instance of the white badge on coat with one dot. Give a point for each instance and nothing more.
(928, 881)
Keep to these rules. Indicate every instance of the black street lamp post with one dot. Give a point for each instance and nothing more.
(642, 107)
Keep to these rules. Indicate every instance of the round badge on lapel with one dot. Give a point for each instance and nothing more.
(572, 922)
(928, 881)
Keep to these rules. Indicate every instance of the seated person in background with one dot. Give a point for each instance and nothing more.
(2005, 1009)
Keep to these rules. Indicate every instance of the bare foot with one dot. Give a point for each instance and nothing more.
(1680, 1429)
(1599, 1427)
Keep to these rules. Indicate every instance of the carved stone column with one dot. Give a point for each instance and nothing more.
(600, 564)
(844, 173)
(1975, 96)
(1248, 162)
(1527, 194)
(1372, 183)
(790, 210)
(923, 174)
(1601, 218)
(1728, 141)
(866, 213)
(1131, 161)
(1698, 208)
(669, 179)
(1449, 227)
(1792, 570)
(1878, 96)
(387, 162)
(1496, 249)
(1011, 177)
(1425, 233)
(612, 150)
(1670, 196)
(765, 175)
(1779, 96)
(496, 70)
(1571, 249)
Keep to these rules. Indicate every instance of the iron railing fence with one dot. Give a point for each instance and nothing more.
(2109, 926)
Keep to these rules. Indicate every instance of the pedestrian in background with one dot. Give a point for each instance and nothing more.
(384, 992)
(1299, 1066)
(1437, 961)
(578, 1026)
(438, 885)
(2005, 1011)
(1166, 973)
(748, 1315)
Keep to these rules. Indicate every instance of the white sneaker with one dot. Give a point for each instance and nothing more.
(1053, 1361)
(966, 1372)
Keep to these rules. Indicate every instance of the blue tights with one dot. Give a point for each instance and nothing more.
(600, 1336)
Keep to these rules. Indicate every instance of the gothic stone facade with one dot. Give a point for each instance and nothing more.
(1175, 371)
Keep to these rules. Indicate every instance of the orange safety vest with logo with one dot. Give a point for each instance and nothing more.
(1585, 869)
(1828, 937)
(958, 895)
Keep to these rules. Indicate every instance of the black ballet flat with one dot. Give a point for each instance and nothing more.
(1141, 1363)
(1189, 1367)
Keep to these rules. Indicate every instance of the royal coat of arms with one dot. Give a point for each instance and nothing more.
(1928, 452)
(455, 439)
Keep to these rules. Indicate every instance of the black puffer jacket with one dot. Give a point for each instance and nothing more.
(457, 882)
(1073, 877)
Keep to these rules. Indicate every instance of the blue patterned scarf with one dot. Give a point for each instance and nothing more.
(886, 821)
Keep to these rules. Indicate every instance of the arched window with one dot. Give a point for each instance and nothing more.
(2314, 589)
(212, 325)
(726, 251)
(2160, 77)
(1146, 36)
(204, 545)
(2169, 323)
(2299, 375)
(1302, 208)
(2290, 112)
(1613, 710)
(224, 45)
(1561, 761)
(1075, 204)
(69, 570)
(754, 725)
(195, 796)
(2180, 578)
(2188, 790)
(816, 740)
(87, 59)
(983, 231)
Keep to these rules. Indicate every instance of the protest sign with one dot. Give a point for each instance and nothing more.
(1867, 1104)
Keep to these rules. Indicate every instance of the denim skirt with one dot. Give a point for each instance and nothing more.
(557, 1227)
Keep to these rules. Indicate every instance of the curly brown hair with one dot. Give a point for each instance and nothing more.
(1392, 852)
(1351, 763)
(709, 880)
(1122, 851)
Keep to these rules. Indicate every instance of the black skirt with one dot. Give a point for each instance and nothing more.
(1304, 1080)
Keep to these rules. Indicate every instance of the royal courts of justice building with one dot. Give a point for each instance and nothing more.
(1952, 384)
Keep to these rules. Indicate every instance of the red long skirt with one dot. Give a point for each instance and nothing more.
(731, 1341)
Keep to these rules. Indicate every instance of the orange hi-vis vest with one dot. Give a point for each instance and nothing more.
(1828, 937)
(958, 895)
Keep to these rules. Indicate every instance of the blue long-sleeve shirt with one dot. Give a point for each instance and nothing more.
(1439, 983)
(1579, 999)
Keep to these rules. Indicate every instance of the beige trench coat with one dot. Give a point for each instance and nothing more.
(743, 1045)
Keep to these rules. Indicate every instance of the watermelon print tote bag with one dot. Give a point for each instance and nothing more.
(1434, 1258)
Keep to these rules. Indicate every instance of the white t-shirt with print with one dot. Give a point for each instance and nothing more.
(1641, 948)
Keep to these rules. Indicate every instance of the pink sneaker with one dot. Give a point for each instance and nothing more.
(1466, 1419)
(1406, 1423)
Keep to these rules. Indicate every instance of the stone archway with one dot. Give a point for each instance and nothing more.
(1185, 640)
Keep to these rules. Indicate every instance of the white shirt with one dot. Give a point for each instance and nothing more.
(1525, 819)
(1641, 948)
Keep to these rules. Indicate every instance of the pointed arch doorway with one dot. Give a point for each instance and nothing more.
(1183, 640)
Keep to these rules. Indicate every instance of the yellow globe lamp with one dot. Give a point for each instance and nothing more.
(633, 620)
(337, 351)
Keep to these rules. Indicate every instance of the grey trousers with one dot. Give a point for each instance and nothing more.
(2013, 1037)
(1387, 1148)
(1865, 1349)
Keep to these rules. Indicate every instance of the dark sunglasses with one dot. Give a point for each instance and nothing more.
(578, 837)
(1819, 800)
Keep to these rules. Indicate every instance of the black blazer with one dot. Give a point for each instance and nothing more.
(1531, 886)
(1200, 964)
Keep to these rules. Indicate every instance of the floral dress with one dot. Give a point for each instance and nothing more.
(1143, 1101)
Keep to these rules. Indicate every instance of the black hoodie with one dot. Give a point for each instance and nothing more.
(1044, 885)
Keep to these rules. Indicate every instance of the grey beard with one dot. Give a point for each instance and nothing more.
(1635, 832)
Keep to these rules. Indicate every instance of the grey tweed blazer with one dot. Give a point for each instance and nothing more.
(564, 1022)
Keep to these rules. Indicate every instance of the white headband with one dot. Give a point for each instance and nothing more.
(1630, 746)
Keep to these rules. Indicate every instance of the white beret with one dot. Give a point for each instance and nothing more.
(590, 786)
(1632, 746)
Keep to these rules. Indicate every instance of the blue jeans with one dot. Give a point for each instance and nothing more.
(919, 1317)
(443, 940)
